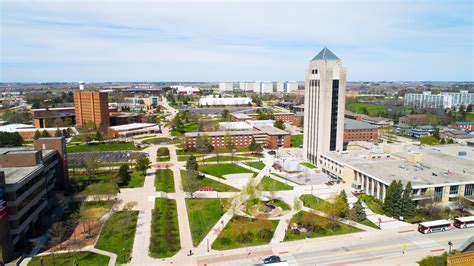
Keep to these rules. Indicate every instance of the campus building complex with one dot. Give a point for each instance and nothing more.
(355, 130)
(443, 100)
(29, 179)
(436, 174)
(324, 105)
(91, 107)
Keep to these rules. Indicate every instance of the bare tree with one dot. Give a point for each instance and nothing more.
(91, 165)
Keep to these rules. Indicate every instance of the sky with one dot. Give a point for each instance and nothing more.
(95, 41)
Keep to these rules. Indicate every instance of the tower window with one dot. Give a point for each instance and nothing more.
(314, 71)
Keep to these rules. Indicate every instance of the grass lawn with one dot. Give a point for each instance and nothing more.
(91, 210)
(373, 109)
(220, 170)
(367, 222)
(129, 146)
(440, 260)
(164, 180)
(137, 179)
(187, 128)
(118, 233)
(296, 140)
(164, 240)
(308, 165)
(269, 183)
(241, 232)
(207, 182)
(322, 228)
(374, 204)
(256, 165)
(314, 202)
(66, 259)
(157, 140)
(225, 158)
(203, 214)
(183, 158)
(163, 159)
(101, 188)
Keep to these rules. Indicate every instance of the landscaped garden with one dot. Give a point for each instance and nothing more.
(118, 234)
(256, 165)
(374, 204)
(308, 165)
(157, 140)
(308, 225)
(164, 241)
(270, 184)
(220, 170)
(206, 182)
(164, 180)
(244, 232)
(92, 147)
(203, 214)
(66, 259)
(163, 154)
(227, 158)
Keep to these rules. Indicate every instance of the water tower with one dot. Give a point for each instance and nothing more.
(81, 85)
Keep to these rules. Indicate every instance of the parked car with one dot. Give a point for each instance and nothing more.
(271, 259)
(272, 152)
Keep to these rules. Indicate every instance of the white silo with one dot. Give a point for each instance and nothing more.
(81, 85)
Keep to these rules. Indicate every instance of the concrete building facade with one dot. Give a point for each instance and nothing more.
(91, 107)
(324, 105)
(29, 180)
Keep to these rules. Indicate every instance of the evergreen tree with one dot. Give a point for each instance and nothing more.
(8, 139)
(123, 174)
(58, 133)
(389, 202)
(143, 164)
(279, 124)
(341, 204)
(398, 200)
(408, 207)
(45, 134)
(359, 211)
(37, 135)
(98, 136)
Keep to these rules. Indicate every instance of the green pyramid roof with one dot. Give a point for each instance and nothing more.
(325, 54)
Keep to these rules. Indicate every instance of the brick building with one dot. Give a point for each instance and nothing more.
(54, 117)
(355, 130)
(91, 106)
(464, 125)
(30, 179)
(415, 120)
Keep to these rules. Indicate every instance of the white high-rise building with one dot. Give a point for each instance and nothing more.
(291, 86)
(281, 86)
(256, 87)
(324, 105)
(267, 87)
(226, 86)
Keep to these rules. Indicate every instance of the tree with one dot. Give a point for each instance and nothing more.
(279, 124)
(469, 108)
(91, 164)
(192, 166)
(225, 114)
(58, 133)
(364, 110)
(45, 134)
(123, 175)
(98, 136)
(229, 145)
(358, 211)
(408, 207)
(259, 148)
(143, 164)
(393, 199)
(8, 139)
(253, 146)
(341, 206)
(297, 205)
(37, 135)
(203, 145)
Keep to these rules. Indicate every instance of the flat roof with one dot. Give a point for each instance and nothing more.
(220, 133)
(270, 130)
(132, 126)
(235, 125)
(351, 124)
(433, 167)
(15, 127)
(14, 175)
(240, 115)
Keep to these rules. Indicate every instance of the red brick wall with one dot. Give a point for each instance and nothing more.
(360, 135)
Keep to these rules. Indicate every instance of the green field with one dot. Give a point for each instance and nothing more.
(241, 232)
(373, 109)
(220, 170)
(314, 202)
(269, 183)
(296, 140)
(164, 241)
(223, 158)
(129, 146)
(66, 259)
(118, 234)
(203, 214)
(308, 165)
(374, 204)
(164, 180)
(256, 165)
(136, 180)
(207, 182)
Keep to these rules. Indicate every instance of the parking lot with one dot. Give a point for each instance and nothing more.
(106, 156)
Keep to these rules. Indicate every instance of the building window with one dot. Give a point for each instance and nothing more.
(468, 190)
(438, 192)
(314, 71)
(453, 190)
